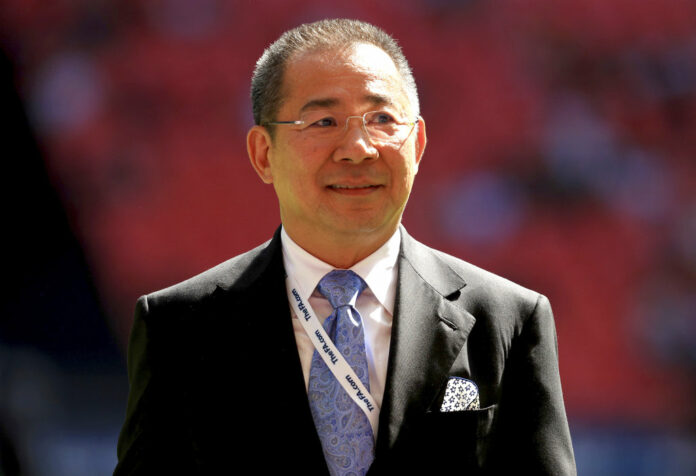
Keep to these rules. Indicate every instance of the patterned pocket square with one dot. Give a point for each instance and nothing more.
(460, 395)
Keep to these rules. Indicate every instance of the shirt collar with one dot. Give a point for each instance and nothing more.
(379, 270)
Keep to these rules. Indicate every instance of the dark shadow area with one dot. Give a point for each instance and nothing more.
(61, 371)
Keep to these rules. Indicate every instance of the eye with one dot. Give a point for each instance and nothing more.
(380, 118)
(323, 122)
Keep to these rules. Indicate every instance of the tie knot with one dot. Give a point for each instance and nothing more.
(341, 287)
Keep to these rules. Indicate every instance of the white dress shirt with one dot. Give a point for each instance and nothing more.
(375, 304)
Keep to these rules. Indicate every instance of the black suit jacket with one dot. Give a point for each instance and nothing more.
(217, 387)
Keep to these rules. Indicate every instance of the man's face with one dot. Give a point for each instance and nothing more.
(350, 186)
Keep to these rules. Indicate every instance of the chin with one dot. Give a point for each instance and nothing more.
(364, 226)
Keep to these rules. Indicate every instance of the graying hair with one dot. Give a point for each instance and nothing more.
(267, 80)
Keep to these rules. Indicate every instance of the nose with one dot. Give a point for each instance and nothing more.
(355, 144)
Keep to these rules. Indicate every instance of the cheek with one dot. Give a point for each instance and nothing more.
(306, 150)
(299, 185)
(286, 181)
(401, 183)
(407, 168)
(304, 166)
(290, 171)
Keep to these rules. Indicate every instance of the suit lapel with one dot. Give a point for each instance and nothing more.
(429, 331)
(282, 407)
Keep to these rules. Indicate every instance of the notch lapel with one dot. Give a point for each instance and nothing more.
(259, 300)
(430, 328)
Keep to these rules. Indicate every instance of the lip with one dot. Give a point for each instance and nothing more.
(354, 190)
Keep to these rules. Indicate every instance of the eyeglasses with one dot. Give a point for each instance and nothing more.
(381, 127)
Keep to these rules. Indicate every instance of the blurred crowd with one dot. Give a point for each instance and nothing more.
(562, 154)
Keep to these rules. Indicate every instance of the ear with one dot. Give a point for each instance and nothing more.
(258, 148)
(421, 140)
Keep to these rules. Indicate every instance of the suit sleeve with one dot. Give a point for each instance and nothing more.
(148, 443)
(532, 428)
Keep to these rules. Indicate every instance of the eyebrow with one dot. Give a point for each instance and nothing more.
(319, 103)
(374, 99)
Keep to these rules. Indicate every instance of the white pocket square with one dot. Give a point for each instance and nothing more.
(460, 395)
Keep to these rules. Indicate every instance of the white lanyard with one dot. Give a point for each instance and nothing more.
(330, 354)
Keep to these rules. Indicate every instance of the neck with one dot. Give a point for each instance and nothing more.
(341, 252)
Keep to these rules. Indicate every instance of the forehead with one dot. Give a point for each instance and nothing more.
(350, 77)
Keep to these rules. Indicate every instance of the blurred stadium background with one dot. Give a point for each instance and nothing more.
(562, 146)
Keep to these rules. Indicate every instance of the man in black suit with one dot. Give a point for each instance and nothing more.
(462, 367)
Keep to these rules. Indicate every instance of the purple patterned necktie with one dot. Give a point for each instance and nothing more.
(345, 432)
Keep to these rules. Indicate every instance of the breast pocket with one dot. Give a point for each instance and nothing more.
(458, 440)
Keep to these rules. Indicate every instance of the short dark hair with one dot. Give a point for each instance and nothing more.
(267, 80)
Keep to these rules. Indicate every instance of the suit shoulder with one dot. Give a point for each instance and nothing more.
(227, 275)
(476, 276)
(489, 294)
(484, 284)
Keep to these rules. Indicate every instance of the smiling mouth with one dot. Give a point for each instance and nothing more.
(352, 187)
(354, 190)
